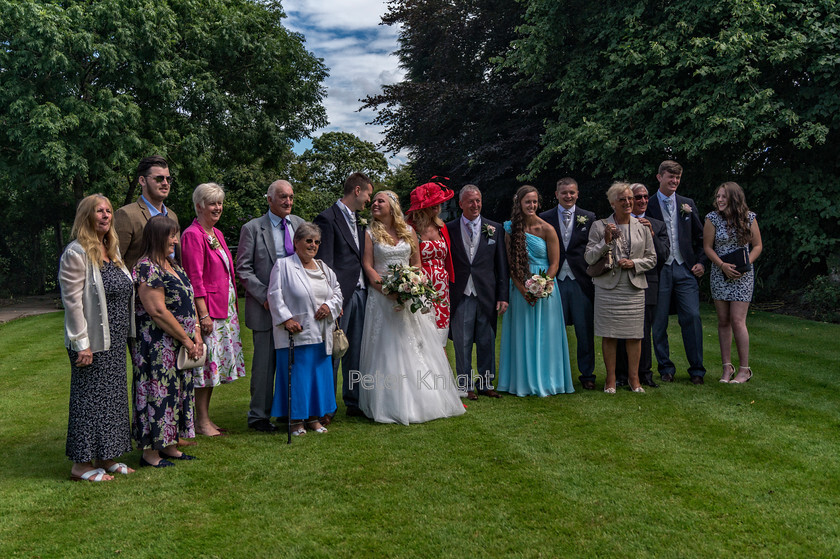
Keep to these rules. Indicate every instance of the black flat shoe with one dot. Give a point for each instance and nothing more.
(162, 464)
(263, 425)
(184, 456)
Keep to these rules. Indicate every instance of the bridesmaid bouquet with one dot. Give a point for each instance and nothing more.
(540, 285)
(412, 288)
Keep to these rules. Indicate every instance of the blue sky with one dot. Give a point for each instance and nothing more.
(357, 51)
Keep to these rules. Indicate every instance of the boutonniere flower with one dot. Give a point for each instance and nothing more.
(488, 230)
(214, 242)
(685, 209)
(581, 220)
(362, 222)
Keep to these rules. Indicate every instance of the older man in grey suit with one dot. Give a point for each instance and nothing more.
(261, 242)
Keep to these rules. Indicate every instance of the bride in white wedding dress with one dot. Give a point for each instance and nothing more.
(404, 374)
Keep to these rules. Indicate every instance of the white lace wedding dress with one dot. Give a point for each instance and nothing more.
(405, 374)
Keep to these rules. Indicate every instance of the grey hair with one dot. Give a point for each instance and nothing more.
(468, 188)
(617, 188)
(273, 186)
(207, 193)
(636, 185)
(307, 229)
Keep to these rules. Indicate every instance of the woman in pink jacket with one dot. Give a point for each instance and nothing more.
(210, 267)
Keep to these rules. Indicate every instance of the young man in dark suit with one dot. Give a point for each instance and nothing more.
(577, 293)
(680, 273)
(342, 248)
(663, 248)
(479, 293)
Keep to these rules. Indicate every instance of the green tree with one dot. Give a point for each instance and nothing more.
(320, 171)
(735, 90)
(88, 88)
(456, 112)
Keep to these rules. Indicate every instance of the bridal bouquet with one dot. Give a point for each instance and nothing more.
(540, 285)
(412, 288)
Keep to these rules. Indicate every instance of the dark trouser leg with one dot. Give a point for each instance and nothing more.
(262, 376)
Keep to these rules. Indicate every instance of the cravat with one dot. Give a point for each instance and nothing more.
(567, 217)
(287, 239)
(668, 207)
(470, 231)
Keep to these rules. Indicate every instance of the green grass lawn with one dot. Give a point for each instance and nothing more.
(682, 471)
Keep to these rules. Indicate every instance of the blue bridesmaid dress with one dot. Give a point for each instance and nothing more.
(534, 349)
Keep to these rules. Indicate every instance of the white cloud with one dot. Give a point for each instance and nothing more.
(359, 54)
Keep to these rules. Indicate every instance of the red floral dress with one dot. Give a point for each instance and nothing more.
(434, 257)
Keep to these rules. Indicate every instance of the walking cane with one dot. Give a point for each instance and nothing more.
(289, 407)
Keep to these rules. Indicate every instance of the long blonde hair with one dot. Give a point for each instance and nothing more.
(377, 230)
(84, 231)
(424, 219)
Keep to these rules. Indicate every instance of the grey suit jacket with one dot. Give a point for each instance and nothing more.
(255, 258)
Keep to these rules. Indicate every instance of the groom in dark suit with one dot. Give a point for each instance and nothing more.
(479, 293)
(663, 248)
(342, 247)
(577, 293)
(680, 273)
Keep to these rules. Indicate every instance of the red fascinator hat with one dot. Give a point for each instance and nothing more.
(430, 194)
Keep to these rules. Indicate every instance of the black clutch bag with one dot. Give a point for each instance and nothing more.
(741, 259)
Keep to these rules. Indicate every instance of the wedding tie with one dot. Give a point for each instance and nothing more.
(470, 232)
(287, 239)
(567, 217)
(353, 228)
(668, 207)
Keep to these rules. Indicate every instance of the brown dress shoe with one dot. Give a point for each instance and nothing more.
(490, 393)
(588, 385)
(471, 395)
(696, 379)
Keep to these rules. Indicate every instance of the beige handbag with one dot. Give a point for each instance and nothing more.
(184, 361)
(340, 343)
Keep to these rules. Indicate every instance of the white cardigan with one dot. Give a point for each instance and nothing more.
(290, 296)
(83, 296)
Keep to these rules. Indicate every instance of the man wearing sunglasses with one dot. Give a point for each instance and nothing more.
(662, 247)
(155, 183)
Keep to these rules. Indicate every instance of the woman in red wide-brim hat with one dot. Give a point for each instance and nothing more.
(435, 254)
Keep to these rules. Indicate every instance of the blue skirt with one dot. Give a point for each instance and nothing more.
(313, 393)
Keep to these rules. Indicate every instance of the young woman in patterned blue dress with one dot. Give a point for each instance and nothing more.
(732, 226)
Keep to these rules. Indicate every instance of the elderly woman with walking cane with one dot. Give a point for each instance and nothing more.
(305, 301)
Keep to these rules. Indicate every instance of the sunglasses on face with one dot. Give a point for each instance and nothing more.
(161, 178)
(641, 197)
(316, 242)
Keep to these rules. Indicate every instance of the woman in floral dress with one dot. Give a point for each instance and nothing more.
(166, 319)
(435, 254)
(209, 265)
(97, 294)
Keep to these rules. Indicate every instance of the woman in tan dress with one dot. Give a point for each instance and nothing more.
(620, 292)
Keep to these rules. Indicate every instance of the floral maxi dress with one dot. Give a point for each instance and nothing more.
(163, 394)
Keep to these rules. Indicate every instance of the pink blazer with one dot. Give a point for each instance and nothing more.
(206, 268)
